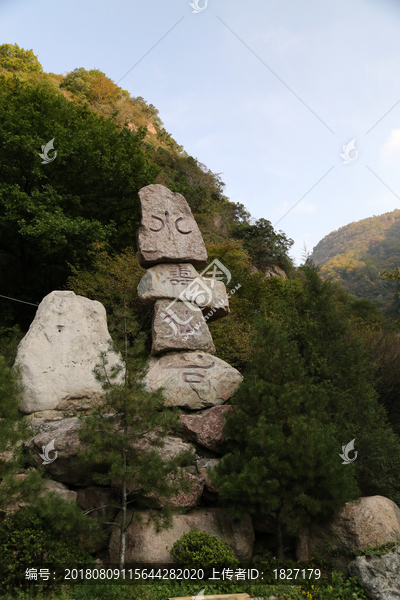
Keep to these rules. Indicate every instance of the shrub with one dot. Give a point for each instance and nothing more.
(200, 550)
(43, 534)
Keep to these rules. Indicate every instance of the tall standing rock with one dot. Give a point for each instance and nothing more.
(168, 233)
(58, 354)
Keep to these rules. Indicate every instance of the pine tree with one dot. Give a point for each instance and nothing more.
(125, 436)
(13, 431)
(284, 451)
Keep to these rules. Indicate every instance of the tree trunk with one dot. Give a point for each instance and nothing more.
(123, 526)
(280, 538)
(124, 493)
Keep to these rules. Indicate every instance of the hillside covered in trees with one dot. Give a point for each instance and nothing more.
(356, 254)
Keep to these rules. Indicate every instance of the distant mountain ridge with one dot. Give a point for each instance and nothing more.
(355, 254)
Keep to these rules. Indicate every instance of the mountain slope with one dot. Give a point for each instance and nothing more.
(355, 254)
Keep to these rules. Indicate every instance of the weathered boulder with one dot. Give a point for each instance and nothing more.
(203, 464)
(168, 233)
(144, 545)
(178, 327)
(66, 442)
(183, 282)
(370, 521)
(192, 380)
(379, 577)
(206, 427)
(59, 352)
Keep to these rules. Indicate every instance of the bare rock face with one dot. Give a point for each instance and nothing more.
(379, 577)
(179, 328)
(168, 233)
(183, 282)
(203, 464)
(144, 545)
(66, 442)
(274, 271)
(59, 352)
(192, 380)
(371, 521)
(206, 427)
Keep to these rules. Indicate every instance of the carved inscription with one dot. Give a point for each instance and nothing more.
(194, 377)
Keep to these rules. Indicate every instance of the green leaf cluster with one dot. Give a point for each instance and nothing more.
(200, 550)
(13, 58)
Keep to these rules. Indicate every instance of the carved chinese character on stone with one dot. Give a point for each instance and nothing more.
(177, 327)
(192, 380)
(183, 282)
(168, 231)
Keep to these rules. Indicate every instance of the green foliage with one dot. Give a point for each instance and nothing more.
(283, 453)
(337, 359)
(264, 244)
(13, 58)
(45, 533)
(200, 550)
(93, 86)
(380, 550)
(13, 430)
(356, 254)
(50, 214)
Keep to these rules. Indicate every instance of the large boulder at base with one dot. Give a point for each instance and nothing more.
(59, 352)
(179, 327)
(168, 233)
(192, 380)
(379, 577)
(66, 442)
(370, 521)
(206, 427)
(144, 545)
(183, 282)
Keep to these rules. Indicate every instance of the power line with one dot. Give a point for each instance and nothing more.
(16, 300)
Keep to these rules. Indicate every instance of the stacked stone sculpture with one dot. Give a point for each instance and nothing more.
(170, 246)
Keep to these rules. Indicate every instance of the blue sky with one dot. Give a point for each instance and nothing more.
(265, 92)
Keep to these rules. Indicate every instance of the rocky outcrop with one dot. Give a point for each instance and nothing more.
(370, 521)
(179, 328)
(183, 282)
(168, 233)
(274, 271)
(144, 545)
(66, 442)
(192, 380)
(206, 427)
(379, 577)
(59, 352)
